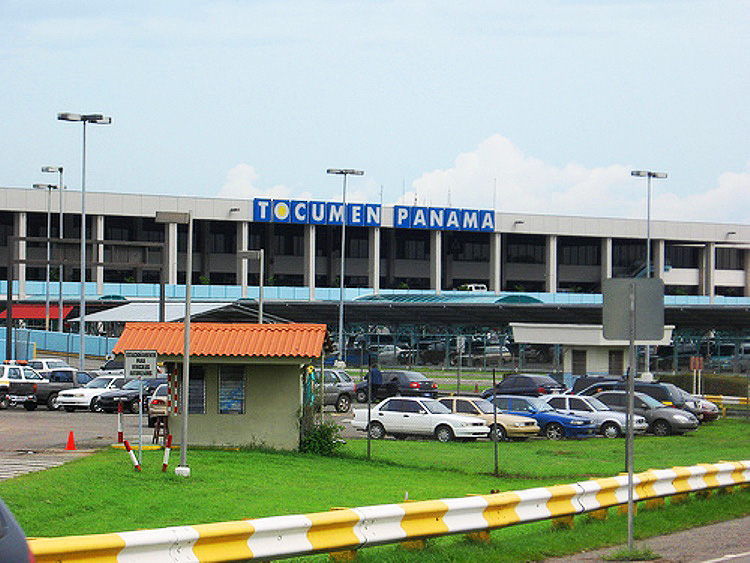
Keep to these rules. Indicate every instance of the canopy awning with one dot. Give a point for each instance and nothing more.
(33, 311)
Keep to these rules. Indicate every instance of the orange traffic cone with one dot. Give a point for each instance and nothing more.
(71, 442)
(476, 388)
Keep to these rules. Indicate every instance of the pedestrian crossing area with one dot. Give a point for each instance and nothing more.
(13, 464)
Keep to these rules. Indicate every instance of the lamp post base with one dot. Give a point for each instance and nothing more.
(182, 471)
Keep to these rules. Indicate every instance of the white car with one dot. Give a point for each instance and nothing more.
(609, 423)
(86, 397)
(416, 416)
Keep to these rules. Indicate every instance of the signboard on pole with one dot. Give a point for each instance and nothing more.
(141, 364)
(649, 308)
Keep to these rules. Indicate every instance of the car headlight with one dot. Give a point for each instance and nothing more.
(518, 424)
(681, 418)
(577, 422)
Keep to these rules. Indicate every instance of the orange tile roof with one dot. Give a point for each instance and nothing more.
(225, 339)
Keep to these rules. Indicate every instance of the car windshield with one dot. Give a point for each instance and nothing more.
(344, 376)
(596, 404)
(651, 402)
(134, 384)
(31, 374)
(435, 407)
(99, 383)
(161, 390)
(539, 404)
(414, 376)
(483, 405)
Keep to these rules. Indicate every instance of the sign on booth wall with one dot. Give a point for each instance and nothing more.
(370, 215)
(141, 364)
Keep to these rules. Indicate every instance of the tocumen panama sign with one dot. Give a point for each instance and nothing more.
(370, 215)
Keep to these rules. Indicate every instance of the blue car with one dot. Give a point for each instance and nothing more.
(552, 424)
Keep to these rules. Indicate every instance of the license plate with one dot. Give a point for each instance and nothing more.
(22, 398)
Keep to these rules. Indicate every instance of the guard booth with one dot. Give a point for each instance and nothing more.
(246, 380)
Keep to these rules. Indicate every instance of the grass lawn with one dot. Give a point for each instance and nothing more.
(102, 493)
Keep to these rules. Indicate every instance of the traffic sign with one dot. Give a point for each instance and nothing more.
(141, 364)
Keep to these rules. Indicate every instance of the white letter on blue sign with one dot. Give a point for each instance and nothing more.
(299, 212)
(452, 223)
(488, 221)
(471, 220)
(260, 209)
(401, 217)
(355, 214)
(372, 215)
(317, 212)
(419, 218)
(335, 213)
(436, 217)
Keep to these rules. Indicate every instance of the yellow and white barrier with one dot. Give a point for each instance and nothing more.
(349, 529)
(722, 400)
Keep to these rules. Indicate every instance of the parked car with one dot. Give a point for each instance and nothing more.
(59, 380)
(609, 423)
(416, 416)
(18, 386)
(584, 381)
(398, 382)
(86, 397)
(662, 420)
(339, 389)
(552, 424)
(43, 366)
(130, 395)
(509, 426)
(13, 545)
(157, 404)
(666, 393)
(531, 385)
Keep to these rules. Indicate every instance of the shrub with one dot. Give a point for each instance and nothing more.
(322, 439)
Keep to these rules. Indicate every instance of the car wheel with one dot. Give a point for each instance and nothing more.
(69, 409)
(661, 428)
(554, 431)
(444, 433)
(133, 405)
(377, 432)
(343, 403)
(498, 433)
(361, 396)
(95, 405)
(4, 402)
(29, 406)
(52, 403)
(610, 430)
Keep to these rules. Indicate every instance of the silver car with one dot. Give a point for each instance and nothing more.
(338, 389)
(609, 423)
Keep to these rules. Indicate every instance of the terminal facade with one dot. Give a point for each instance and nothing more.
(387, 247)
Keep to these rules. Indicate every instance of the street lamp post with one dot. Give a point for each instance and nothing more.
(61, 187)
(344, 172)
(98, 119)
(49, 188)
(648, 174)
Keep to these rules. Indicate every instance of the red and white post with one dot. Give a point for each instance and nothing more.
(132, 456)
(167, 449)
(119, 423)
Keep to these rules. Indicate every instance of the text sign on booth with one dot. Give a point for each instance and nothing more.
(140, 363)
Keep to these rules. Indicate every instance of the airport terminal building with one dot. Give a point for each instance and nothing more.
(387, 247)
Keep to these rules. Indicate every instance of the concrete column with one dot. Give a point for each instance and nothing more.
(243, 235)
(309, 258)
(436, 261)
(606, 258)
(658, 258)
(170, 232)
(550, 274)
(708, 270)
(496, 260)
(99, 253)
(746, 291)
(21, 230)
(373, 263)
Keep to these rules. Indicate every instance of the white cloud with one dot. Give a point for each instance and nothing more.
(241, 183)
(528, 185)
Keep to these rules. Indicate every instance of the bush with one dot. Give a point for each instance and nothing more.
(322, 439)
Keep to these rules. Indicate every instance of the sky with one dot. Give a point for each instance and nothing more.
(533, 107)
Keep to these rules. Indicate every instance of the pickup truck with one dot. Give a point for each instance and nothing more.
(18, 385)
(59, 380)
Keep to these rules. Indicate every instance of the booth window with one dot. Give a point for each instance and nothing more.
(231, 390)
(197, 391)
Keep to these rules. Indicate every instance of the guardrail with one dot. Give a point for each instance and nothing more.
(355, 528)
(722, 400)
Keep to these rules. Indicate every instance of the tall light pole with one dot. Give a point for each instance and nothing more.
(49, 188)
(98, 119)
(344, 172)
(61, 187)
(648, 174)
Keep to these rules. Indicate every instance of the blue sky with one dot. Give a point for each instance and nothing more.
(537, 106)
